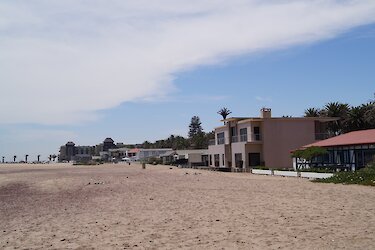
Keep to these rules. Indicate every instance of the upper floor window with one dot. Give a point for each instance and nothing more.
(220, 138)
(243, 134)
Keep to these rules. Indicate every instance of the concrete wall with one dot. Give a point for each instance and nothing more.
(216, 149)
(254, 148)
(239, 148)
(281, 136)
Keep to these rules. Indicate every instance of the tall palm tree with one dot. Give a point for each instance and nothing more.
(38, 158)
(14, 158)
(312, 112)
(224, 112)
(3, 159)
(26, 156)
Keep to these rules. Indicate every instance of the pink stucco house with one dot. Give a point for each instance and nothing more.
(246, 142)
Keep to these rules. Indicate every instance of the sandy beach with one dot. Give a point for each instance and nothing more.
(59, 206)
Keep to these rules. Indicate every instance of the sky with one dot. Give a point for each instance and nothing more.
(80, 70)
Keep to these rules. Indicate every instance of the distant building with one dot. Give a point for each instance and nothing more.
(71, 152)
(189, 158)
(108, 144)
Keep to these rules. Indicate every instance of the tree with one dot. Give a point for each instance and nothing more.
(38, 158)
(195, 126)
(196, 134)
(224, 112)
(26, 156)
(355, 119)
(14, 158)
(3, 159)
(309, 153)
(369, 114)
(336, 109)
(312, 112)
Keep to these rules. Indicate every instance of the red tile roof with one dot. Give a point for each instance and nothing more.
(134, 150)
(351, 138)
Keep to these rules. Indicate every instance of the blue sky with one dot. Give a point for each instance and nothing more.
(100, 77)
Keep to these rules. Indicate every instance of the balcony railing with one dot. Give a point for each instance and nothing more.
(234, 139)
(220, 141)
(256, 137)
(243, 137)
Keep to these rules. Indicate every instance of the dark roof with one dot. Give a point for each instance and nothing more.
(351, 138)
(108, 140)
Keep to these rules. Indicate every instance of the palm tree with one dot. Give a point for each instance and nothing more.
(14, 158)
(369, 114)
(224, 112)
(54, 157)
(336, 109)
(26, 156)
(38, 158)
(3, 159)
(50, 157)
(355, 119)
(312, 112)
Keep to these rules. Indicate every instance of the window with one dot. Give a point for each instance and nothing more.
(238, 160)
(243, 134)
(217, 160)
(220, 138)
(210, 159)
(257, 134)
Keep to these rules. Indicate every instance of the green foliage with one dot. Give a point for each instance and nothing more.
(195, 127)
(352, 118)
(364, 176)
(312, 112)
(309, 153)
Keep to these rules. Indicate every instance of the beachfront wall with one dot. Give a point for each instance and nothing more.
(281, 136)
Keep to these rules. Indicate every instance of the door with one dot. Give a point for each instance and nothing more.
(254, 159)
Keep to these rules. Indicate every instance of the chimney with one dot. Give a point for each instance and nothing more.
(265, 113)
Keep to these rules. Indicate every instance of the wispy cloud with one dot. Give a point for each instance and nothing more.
(61, 61)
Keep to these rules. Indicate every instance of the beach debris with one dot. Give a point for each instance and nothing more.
(63, 240)
(186, 173)
(151, 199)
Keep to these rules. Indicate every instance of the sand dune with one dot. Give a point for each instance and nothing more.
(119, 206)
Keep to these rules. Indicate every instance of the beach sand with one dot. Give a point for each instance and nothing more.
(116, 206)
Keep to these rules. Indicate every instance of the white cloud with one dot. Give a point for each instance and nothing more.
(61, 61)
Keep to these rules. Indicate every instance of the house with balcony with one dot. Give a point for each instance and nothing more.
(247, 142)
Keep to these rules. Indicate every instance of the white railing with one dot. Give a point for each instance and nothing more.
(243, 137)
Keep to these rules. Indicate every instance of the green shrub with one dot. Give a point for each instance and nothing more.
(309, 153)
(364, 176)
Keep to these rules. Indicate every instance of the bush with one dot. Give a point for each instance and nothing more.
(364, 176)
(309, 153)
